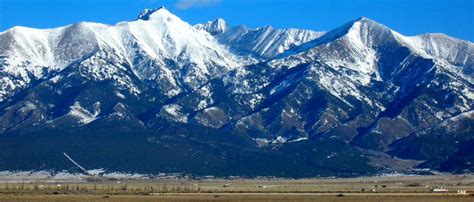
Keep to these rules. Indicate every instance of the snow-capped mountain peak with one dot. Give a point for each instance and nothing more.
(368, 31)
(353, 46)
(361, 32)
(356, 31)
(215, 27)
(454, 54)
(161, 38)
(145, 14)
(364, 38)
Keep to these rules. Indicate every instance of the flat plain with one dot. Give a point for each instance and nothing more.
(390, 188)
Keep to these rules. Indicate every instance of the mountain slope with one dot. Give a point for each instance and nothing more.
(260, 43)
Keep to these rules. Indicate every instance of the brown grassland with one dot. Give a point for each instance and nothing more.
(399, 188)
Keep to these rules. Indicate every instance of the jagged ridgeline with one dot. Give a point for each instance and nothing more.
(160, 95)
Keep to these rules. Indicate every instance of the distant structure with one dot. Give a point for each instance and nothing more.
(439, 190)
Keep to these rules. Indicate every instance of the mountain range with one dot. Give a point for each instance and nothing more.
(158, 95)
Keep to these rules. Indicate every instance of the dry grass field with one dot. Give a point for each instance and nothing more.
(232, 197)
(399, 188)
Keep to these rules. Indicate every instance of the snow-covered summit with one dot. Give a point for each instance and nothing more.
(29, 54)
(353, 46)
(360, 42)
(360, 32)
(215, 27)
(453, 54)
(145, 14)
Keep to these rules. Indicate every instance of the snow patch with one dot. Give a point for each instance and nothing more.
(82, 114)
(173, 111)
(299, 139)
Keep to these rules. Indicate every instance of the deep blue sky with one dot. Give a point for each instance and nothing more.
(410, 17)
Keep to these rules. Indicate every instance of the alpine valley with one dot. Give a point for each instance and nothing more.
(158, 95)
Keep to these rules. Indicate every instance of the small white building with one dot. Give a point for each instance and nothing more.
(439, 190)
